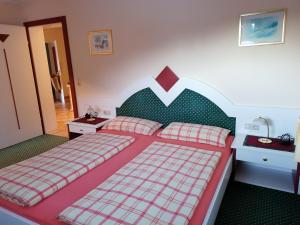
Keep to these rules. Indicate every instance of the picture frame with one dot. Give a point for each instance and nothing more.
(100, 42)
(263, 28)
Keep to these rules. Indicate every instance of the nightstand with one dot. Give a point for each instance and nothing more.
(265, 166)
(83, 126)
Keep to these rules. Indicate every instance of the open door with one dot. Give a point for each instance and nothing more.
(67, 86)
(40, 63)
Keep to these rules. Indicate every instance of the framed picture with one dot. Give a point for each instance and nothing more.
(262, 28)
(100, 42)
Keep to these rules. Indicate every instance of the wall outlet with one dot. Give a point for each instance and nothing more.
(97, 109)
(251, 126)
(106, 112)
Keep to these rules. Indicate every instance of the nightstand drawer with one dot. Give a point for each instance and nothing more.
(267, 159)
(81, 129)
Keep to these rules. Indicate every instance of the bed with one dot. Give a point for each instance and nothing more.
(188, 107)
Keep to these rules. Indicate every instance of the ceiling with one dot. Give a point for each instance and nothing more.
(11, 1)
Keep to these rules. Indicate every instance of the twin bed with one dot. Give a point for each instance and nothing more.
(120, 176)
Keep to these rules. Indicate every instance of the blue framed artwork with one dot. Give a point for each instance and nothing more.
(100, 42)
(262, 28)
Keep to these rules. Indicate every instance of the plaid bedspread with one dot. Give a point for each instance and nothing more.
(162, 185)
(28, 182)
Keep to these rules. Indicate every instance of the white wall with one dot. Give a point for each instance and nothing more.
(43, 77)
(198, 39)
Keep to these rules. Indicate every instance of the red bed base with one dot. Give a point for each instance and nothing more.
(46, 212)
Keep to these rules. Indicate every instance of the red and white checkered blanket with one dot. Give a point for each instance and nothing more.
(28, 182)
(162, 185)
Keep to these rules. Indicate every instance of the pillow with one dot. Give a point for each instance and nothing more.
(132, 124)
(195, 133)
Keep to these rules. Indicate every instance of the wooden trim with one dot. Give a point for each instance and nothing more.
(35, 80)
(70, 68)
(11, 89)
(63, 21)
(55, 60)
(46, 21)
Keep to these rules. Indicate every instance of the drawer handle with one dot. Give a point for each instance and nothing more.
(265, 159)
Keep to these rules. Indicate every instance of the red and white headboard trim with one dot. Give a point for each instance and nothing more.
(167, 79)
(243, 114)
(183, 83)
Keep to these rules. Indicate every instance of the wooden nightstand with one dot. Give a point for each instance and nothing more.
(83, 126)
(264, 166)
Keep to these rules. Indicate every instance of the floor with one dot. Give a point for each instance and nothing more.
(243, 204)
(29, 148)
(63, 115)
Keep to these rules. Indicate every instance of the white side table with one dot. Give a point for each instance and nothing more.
(265, 166)
(82, 126)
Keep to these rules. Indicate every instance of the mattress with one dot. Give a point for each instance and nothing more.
(28, 182)
(46, 212)
(162, 185)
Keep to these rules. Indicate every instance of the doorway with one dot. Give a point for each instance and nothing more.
(53, 73)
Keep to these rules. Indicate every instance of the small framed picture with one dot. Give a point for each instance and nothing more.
(262, 28)
(100, 42)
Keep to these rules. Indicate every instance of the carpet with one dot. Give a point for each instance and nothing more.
(29, 148)
(245, 204)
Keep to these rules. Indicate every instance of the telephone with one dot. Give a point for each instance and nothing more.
(286, 139)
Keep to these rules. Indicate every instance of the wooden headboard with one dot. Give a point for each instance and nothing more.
(189, 107)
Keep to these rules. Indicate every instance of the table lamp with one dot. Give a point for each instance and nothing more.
(265, 140)
(297, 142)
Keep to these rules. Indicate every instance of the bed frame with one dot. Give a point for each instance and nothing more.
(190, 107)
(214, 206)
(8, 217)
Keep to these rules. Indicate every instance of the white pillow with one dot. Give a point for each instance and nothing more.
(132, 124)
(195, 133)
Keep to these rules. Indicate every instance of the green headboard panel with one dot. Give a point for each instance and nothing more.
(189, 107)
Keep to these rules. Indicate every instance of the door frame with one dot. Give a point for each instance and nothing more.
(63, 21)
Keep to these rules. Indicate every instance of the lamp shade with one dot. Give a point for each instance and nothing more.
(297, 141)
